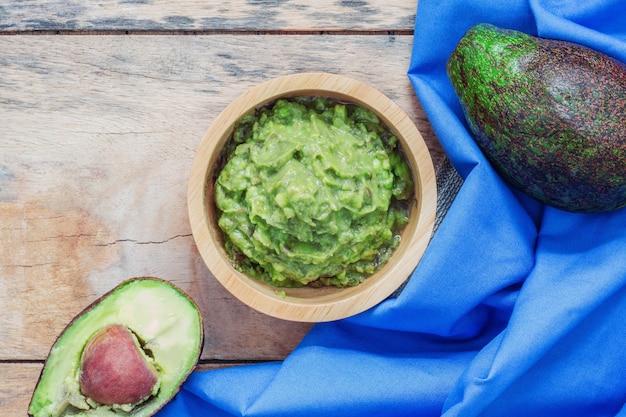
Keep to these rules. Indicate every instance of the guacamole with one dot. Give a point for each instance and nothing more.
(312, 191)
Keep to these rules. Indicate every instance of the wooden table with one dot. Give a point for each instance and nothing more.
(102, 106)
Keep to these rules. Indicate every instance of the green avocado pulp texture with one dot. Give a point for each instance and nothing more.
(312, 191)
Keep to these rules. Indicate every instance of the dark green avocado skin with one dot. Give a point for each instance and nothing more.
(549, 115)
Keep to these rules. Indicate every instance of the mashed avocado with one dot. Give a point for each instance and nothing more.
(311, 191)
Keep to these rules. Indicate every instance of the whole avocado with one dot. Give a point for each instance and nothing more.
(548, 114)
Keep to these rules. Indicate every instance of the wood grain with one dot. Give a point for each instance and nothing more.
(97, 138)
(16, 387)
(195, 15)
(98, 134)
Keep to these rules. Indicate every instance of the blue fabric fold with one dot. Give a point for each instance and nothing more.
(516, 309)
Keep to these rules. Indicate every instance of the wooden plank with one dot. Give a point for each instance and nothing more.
(97, 137)
(259, 15)
(16, 387)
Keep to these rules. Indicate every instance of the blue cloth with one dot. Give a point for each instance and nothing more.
(516, 309)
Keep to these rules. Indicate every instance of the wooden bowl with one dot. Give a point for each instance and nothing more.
(312, 304)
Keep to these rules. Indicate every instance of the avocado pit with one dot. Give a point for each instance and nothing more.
(114, 369)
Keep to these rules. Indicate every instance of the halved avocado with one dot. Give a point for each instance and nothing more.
(146, 326)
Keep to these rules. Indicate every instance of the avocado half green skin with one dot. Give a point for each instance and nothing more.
(548, 114)
(163, 317)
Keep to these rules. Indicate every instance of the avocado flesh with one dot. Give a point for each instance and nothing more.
(548, 114)
(164, 319)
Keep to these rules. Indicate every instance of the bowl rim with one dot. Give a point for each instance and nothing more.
(324, 304)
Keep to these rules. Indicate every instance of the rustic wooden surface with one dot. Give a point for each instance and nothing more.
(102, 107)
(214, 15)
